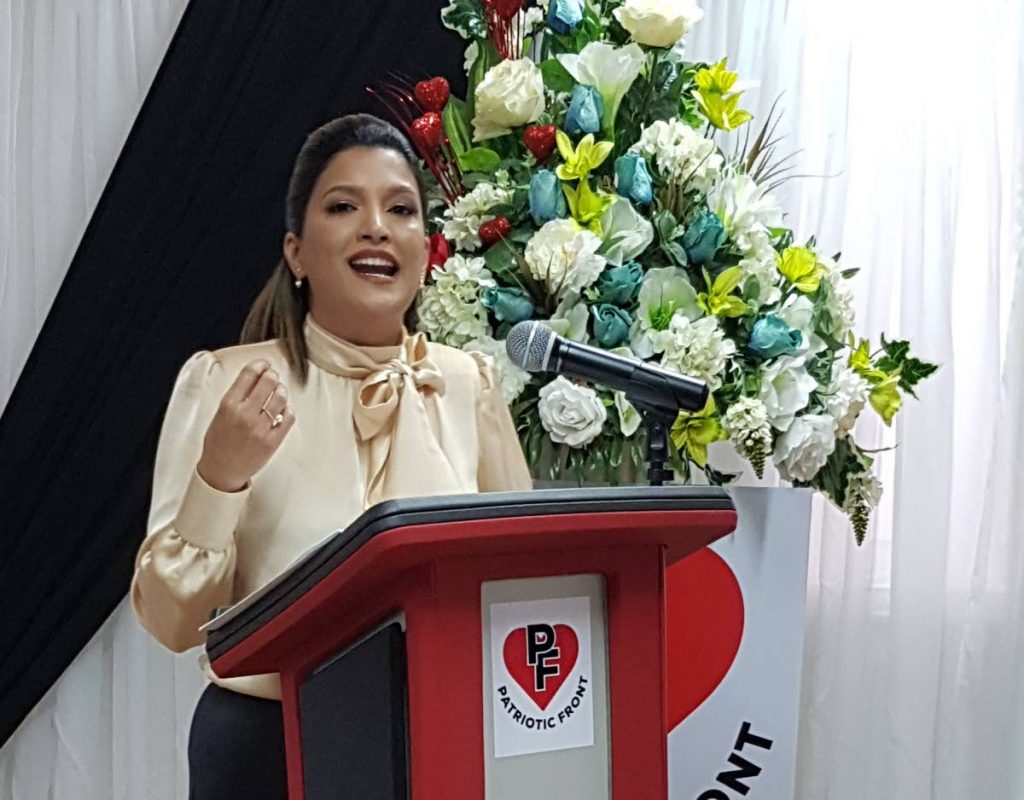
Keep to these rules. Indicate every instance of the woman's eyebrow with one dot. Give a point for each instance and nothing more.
(395, 188)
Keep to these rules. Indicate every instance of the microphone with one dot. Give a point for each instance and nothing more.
(536, 348)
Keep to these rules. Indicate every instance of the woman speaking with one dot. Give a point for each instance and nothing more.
(328, 406)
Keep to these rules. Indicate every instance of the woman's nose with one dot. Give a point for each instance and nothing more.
(373, 226)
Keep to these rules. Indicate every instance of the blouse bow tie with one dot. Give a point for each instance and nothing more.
(383, 391)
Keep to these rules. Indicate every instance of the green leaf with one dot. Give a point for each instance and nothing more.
(457, 120)
(556, 77)
(849, 273)
(500, 258)
(479, 159)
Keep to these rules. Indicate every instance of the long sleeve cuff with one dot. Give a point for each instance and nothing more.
(207, 517)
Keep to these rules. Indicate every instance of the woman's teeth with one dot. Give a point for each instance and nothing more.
(376, 267)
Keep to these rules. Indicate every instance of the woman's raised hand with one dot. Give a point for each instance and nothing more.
(251, 422)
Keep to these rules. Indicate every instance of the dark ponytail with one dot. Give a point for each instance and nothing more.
(279, 310)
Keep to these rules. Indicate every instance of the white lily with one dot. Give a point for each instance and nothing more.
(626, 233)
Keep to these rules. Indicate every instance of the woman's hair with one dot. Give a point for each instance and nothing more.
(278, 312)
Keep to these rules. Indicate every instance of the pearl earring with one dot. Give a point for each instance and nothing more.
(298, 283)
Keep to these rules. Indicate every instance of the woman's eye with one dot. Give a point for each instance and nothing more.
(340, 207)
(403, 210)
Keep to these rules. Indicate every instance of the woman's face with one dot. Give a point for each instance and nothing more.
(363, 246)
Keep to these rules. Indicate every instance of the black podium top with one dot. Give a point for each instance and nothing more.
(242, 620)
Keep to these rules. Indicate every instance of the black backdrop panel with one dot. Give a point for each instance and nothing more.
(183, 237)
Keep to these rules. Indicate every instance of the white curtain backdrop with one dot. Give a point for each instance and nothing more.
(73, 74)
(914, 662)
(913, 656)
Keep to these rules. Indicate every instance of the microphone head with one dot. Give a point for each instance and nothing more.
(529, 345)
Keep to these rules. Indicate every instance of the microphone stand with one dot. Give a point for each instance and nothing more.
(656, 422)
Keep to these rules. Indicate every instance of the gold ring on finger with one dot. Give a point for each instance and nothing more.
(275, 420)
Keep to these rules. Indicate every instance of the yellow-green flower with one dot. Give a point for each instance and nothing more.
(715, 79)
(799, 266)
(587, 206)
(885, 398)
(719, 300)
(693, 432)
(716, 100)
(580, 161)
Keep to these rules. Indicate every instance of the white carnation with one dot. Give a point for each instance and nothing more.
(450, 311)
(805, 447)
(564, 256)
(699, 349)
(462, 221)
(786, 387)
(744, 208)
(658, 23)
(845, 397)
(511, 94)
(570, 413)
(513, 379)
(681, 153)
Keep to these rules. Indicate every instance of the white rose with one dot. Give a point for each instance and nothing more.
(805, 447)
(564, 256)
(785, 389)
(511, 94)
(658, 23)
(570, 413)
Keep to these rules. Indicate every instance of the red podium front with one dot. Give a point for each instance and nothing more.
(431, 705)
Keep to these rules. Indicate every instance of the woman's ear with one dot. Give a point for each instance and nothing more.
(290, 248)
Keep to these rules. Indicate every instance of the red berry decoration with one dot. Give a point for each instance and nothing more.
(440, 252)
(505, 9)
(427, 131)
(540, 140)
(432, 95)
(494, 231)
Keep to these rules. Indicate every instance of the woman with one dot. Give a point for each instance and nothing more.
(329, 406)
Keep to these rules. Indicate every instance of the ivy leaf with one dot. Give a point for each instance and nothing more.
(465, 17)
(897, 360)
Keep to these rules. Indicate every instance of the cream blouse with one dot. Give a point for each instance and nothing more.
(371, 424)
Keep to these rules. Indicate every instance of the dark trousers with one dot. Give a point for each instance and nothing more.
(236, 748)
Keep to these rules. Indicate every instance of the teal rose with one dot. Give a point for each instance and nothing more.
(565, 15)
(547, 201)
(703, 237)
(586, 107)
(620, 285)
(772, 337)
(611, 325)
(633, 179)
(509, 305)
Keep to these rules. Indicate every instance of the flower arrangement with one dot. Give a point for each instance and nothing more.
(585, 183)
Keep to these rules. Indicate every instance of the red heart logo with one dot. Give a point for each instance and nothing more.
(704, 617)
(432, 95)
(505, 9)
(540, 140)
(494, 231)
(552, 661)
(427, 131)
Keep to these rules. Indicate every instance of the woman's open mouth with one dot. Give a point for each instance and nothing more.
(375, 268)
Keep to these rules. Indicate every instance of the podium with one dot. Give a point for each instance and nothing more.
(502, 645)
